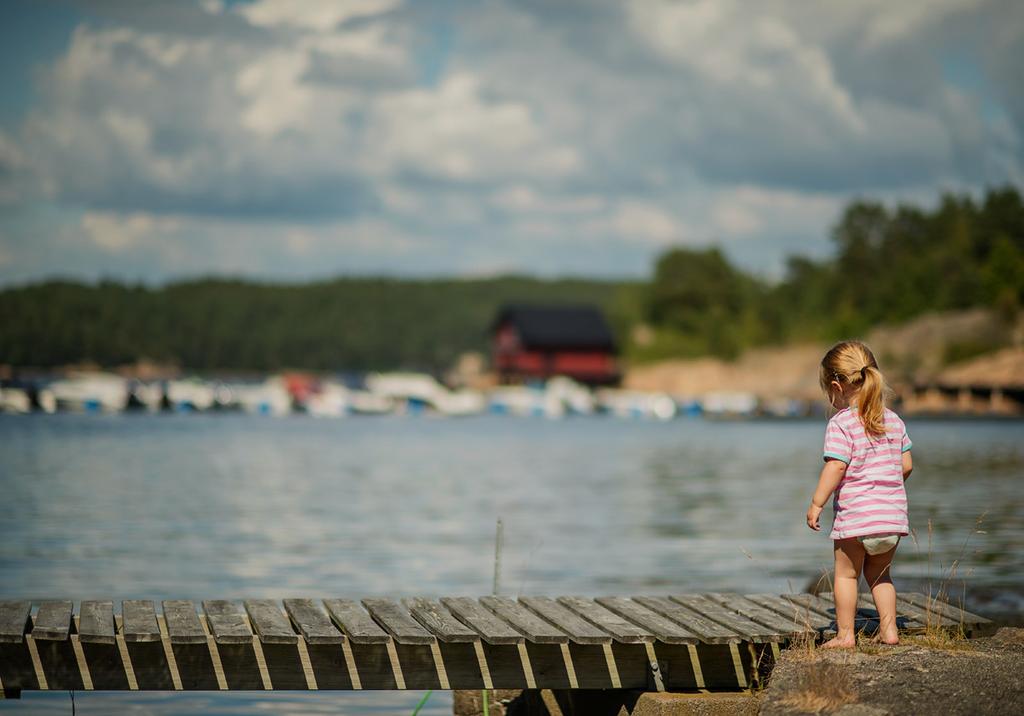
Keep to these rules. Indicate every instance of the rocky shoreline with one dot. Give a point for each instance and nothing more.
(971, 677)
(976, 677)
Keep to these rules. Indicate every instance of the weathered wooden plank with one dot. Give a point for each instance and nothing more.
(59, 663)
(929, 617)
(241, 668)
(632, 664)
(105, 665)
(226, 622)
(439, 621)
(53, 621)
(621, 629)
(937, 606)
(96, 622)
(330, 665)
(591, 664)
(14, 620)
(284, 666)
(866, 617)
(195, 665)
(676, 663)
(461, 664)
(813, 603)
(505, 664)
(269, 622)
(710, 632)
(536, 629)
(312, 623)
(799, 614)
(355, 622)
(419, 669)
(474, 615)
(397, 622)
(502, 660)
(866, 609)
(183, 625)
(548, 663)
(373, 664)
(866, 612)
(745, 627)
(663, 628)
(149, 664)
(17, 670)
(783, 625)
(579, 629)
(138, 621)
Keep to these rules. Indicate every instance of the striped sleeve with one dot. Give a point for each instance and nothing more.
(906, 442)
(838, 445)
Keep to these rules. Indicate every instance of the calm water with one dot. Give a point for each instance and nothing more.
(200, 506)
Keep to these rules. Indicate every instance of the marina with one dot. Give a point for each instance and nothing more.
(370, 394)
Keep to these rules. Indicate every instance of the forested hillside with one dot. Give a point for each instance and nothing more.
(890, 264)
(345, 324)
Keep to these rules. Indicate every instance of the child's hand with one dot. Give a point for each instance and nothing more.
(813, 512)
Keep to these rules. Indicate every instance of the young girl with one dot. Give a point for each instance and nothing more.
(867, 459)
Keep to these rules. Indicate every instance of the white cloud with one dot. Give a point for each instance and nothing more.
(892, 22)
(120, 232)
(526, 199)
(13, 165)
(318, 16)
(648, 223)
(453, 132)
(747, 211)
(272, 95)
(737, 51)
(289, 133)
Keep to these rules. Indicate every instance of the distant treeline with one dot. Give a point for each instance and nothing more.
(889, 265)
(344, 324)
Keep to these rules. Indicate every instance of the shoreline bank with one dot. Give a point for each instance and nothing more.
(974, 677)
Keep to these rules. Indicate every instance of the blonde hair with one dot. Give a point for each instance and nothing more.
(851, 363)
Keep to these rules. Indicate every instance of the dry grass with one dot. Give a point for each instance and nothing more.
(869, 646)
(803, 648)
(940, 639)
(820, 687)
(938, 634)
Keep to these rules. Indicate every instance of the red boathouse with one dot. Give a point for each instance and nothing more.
(538, 342)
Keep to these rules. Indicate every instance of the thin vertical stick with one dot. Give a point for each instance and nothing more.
(499, 538)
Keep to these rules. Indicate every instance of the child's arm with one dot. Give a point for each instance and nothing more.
(831, 475)
(908, 464)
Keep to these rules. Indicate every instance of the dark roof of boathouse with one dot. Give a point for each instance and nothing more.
(566, 326)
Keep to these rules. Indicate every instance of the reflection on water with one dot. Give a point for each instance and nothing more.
(199, 506)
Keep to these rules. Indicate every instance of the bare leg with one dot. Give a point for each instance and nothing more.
(849, 561)
(879, 579)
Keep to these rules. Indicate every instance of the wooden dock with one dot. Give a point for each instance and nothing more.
(679, 642)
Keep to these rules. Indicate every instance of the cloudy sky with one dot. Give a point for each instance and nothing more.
(287, 139)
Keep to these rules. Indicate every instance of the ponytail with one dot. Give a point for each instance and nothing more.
(853, 366)
(871, 401)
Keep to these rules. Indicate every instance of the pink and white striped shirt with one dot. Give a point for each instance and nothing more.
(870, 499)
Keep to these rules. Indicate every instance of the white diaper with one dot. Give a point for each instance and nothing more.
(879, 544)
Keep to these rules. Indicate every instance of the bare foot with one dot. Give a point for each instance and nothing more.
(840, 643)
(891, 638)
